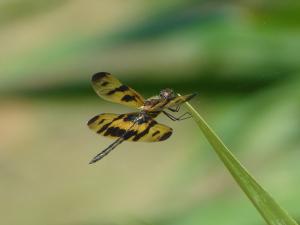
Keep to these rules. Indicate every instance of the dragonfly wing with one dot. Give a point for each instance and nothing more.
(112, 125)
(126, 126)
(151, 131)
(111, 89)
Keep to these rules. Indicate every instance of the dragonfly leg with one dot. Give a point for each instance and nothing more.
(175, 109)
(184, 116)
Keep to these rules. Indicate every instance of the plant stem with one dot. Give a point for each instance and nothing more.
(262, 200)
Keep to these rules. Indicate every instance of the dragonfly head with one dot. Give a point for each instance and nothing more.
(167, 94)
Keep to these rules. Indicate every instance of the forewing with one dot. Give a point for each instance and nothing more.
(111, 89)
(115, 126)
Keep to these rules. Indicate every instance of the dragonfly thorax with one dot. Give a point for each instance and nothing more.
(156, 103)
(150, 103)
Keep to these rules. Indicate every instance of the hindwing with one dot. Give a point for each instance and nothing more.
(126, 126)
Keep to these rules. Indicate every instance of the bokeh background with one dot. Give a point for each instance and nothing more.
(243, 58)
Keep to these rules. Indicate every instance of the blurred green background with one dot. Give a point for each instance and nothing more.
(243, 58)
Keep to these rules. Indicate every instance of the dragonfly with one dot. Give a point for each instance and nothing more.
(136, 126)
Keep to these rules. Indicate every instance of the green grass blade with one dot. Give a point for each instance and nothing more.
(262, 200)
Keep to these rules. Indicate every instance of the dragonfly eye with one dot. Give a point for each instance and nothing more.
(167, 93)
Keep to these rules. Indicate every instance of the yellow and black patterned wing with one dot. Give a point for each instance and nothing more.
(111, 89)
(126, 126)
